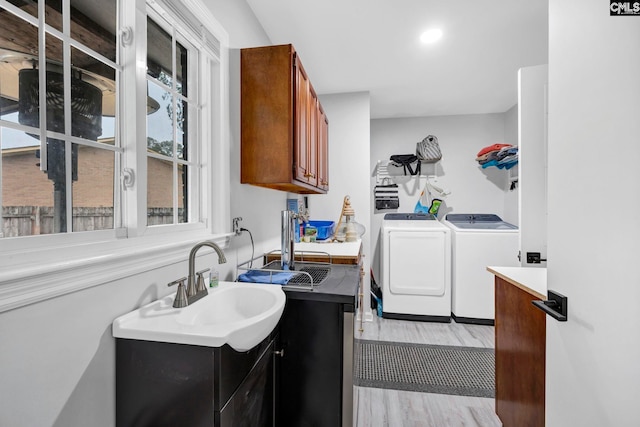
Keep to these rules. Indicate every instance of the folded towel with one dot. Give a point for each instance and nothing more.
(501, 165)
(508, 159)
(508, 151)
(494, 147)
(258, 276)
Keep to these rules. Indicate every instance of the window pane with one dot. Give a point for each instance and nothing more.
(160, 122)
(54, 85)
(19, 82)
(183, 190)
(17, 53)
(93, 190)
(181, 69)
(93, 23)
(53, 15)
(182, 135)
(56, 173)
(159, 191)
(93, 96)
(159, 53)
(29, 6)
(28, 195)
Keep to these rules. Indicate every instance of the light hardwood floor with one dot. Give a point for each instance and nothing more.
(375, 407)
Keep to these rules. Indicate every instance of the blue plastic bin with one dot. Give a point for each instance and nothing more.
(325, 228)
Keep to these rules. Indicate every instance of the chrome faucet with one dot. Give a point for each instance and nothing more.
(287, 233)
(194, 291)
(287, 237)
(191, 279)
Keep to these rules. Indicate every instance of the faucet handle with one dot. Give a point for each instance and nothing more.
(200, 287)
(181, 294)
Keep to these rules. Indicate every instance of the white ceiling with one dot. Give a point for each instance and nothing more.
(373, 45)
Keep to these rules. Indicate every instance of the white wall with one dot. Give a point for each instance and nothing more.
(473, 189)
(57, 361)
(349, 147)
(593, 374)
(532, 139)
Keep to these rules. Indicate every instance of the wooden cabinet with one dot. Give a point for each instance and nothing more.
(520, 331)
(284, 130)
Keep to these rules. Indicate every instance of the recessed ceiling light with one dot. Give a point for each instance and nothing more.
(431, 36)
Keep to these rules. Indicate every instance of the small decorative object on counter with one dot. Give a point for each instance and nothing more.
(348, 230)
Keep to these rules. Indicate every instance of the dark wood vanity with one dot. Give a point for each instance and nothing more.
(166, 385)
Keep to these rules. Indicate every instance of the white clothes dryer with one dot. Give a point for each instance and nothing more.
(478, 241)
(415, 268)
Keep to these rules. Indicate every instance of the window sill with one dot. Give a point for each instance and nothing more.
(33, 281)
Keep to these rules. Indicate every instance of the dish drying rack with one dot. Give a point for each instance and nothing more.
(302, 280)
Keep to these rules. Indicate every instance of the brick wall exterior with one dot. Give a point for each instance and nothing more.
(24, 184)
(159, 184)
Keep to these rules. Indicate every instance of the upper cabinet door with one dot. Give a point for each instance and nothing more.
(312, 139)
(323, 149)
(301, 128)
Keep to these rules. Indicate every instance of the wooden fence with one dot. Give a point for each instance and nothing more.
(35, 220)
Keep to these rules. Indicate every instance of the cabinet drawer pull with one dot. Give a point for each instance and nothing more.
(309, 175)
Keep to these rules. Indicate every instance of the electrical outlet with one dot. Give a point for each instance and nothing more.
(533, 258)
(236, 225)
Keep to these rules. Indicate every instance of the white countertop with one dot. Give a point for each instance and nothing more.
(337, 249)
(529, 279)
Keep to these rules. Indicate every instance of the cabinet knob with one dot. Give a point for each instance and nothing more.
(279, 352)
(309, 175)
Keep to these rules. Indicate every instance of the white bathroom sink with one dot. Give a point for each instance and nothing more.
(238, 314)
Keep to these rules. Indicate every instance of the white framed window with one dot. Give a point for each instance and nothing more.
(58, 91)
(173, 156)
(117, 184)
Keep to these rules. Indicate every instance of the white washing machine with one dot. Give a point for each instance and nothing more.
(478, 241)
(415, 268)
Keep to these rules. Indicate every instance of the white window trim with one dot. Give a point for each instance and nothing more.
(76, 261)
